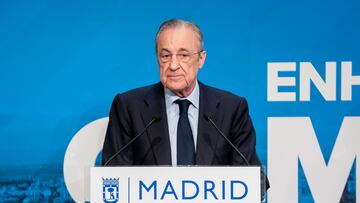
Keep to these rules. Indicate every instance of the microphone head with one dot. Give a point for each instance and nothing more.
(157, 118)
(207, 117)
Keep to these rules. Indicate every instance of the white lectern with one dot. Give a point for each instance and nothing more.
(175, 184)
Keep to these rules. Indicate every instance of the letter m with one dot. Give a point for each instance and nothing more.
(293, 138)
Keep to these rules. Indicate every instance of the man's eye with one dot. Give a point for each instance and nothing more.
(165, 56)
(183, 56)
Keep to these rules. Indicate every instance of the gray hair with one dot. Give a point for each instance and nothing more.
(173, 23)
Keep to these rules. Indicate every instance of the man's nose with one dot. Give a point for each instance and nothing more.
(174, 62)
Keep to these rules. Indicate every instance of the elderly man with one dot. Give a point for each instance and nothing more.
(179, 121)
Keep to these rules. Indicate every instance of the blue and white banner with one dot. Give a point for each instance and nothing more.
(297, 63)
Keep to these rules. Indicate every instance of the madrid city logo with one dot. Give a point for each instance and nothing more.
(110, 190)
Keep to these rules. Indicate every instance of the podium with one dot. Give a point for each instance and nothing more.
(175, 184)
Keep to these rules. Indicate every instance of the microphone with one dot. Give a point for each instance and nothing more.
(264, 184)
(152, 121)
(208, 118)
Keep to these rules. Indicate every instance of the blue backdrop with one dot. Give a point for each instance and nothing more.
(62, 62)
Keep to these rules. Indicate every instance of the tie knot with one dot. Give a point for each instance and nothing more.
(183, 105)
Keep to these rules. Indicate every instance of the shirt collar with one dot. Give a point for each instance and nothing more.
(170, 97)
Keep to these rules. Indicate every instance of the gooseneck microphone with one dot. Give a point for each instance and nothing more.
(208, 118)
(152, 121)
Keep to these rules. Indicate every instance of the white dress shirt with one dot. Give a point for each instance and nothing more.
(172, 111)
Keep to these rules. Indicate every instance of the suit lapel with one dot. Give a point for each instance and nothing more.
(207, 134)
(158, 133)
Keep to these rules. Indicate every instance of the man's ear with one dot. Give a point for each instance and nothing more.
(202, 59)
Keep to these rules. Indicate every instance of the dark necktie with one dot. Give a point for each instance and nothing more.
(185, 140)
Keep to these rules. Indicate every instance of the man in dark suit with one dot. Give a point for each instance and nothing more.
(177, 112)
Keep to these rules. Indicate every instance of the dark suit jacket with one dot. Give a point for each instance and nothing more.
(133, 110)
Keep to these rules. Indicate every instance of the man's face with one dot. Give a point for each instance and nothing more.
(179, 59)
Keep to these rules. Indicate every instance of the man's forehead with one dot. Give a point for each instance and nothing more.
(182, 37)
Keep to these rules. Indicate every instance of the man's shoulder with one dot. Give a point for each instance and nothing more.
(140, 92)
(224, 100)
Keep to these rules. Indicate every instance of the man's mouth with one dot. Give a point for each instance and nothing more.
(174, 76)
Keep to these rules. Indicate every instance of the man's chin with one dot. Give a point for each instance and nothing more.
(175, 87)
(175, 84)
